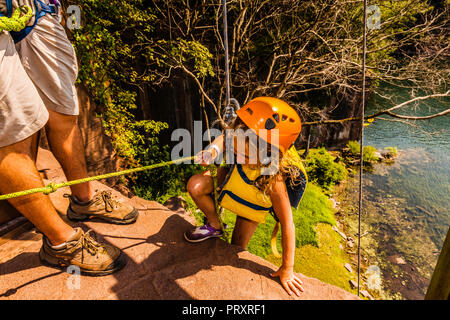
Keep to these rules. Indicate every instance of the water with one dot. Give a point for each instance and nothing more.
(410, 199)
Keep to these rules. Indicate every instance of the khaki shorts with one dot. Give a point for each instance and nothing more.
(49, 59)
(22, 112)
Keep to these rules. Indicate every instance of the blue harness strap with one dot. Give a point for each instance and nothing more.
(44, 9)
(8, 12)
(9, 8)
(242, 201)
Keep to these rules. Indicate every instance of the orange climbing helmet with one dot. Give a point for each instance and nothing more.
(272, 113)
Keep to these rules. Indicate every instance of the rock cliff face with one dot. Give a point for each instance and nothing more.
(334, 136)
(178, 104)
(99, 151)
(161, 264)
(100, 155)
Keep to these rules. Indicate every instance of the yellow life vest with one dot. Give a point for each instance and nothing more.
(242, 197)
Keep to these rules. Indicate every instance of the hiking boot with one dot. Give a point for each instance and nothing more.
(102, 206)
(92, 257)
(203, 233)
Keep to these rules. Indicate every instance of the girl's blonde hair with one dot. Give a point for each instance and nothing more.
(287, 167)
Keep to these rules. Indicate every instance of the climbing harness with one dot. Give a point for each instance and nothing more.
(239, 194)
(39, 9)
(53, 187)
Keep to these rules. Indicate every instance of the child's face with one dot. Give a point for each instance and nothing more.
(250, 151)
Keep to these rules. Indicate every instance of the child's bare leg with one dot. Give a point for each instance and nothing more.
(243, 231)
(200, 187)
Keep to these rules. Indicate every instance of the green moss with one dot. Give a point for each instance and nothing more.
(325, 261)
(393, 151)
(354, 147)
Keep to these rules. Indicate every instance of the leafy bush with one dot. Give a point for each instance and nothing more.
(322, 168)
(147, 150)
(369, 154)
(354, 147)
(368, 151)
(392, 151)
(118, 41)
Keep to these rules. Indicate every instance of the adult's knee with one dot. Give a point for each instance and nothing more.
(60, 121)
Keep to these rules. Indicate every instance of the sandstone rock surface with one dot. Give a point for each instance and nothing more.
(161, 265)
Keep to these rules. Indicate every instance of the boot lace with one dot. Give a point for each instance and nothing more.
(91, 244)
(110, 203)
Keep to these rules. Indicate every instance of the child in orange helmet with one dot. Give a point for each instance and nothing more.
(265, 177)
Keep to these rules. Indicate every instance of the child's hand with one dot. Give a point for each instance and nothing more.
(205, 157)
(289, 280)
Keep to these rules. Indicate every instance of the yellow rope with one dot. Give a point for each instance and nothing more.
(52, 187)
(18, 20)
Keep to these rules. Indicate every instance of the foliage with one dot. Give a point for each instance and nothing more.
(322, 168)
(369, 154)
(354, 147)
(146, 148)
(368, 151)
(178, 52)
(392, 151)
(119, 51)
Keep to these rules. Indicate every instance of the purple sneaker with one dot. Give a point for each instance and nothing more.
(202, 233)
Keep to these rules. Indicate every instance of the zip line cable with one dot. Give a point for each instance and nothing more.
(361, 158)
(225, 44)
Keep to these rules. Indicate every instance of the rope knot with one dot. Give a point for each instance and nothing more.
(18, 20)
(50, 188)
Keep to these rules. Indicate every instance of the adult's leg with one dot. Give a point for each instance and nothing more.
(243, 231)
(64, 138)
(22, 115)
(50, 61)
(18, 172)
